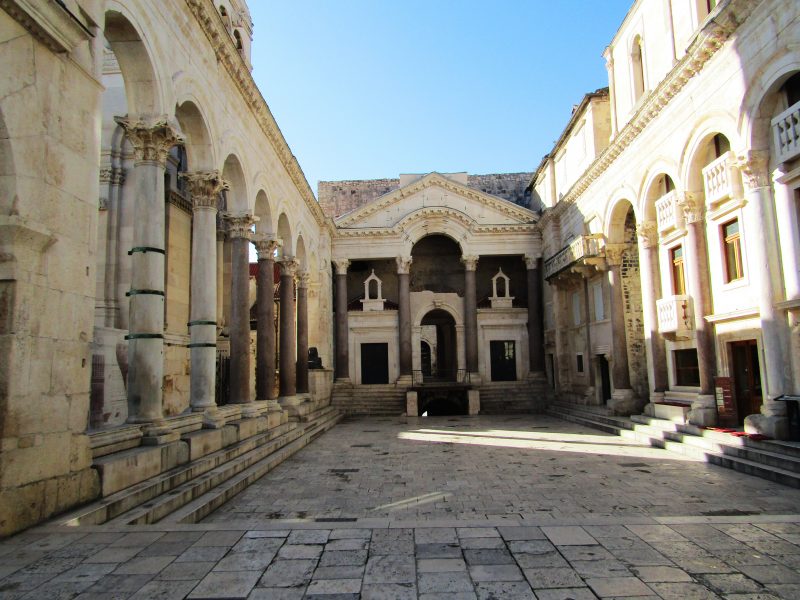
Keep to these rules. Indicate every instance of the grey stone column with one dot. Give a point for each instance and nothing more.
(470, 314)
(288, 356)
(761, 231)
(404, 313)
(704, 411)
(650, 274)
(342, 349)
(265, 308)
(302, 332)
(204, 188)
(588, 359)
(151, 140)
(622, 397)
(535, 315)
(240, 234)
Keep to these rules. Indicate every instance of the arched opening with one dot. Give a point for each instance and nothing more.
(426, 358)
(285, 235)
(637, 66)
(199, 152)
(440, 328)
(264, 214)
(237, 38)
(436, 265)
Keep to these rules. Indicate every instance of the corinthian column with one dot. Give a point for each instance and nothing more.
(342, 350)
(240, 233)
(151, 140)
(302, 332)
(404, 314)
(288, 357)
(265, 309)
(761, 231)
(470, 315)
(622, 398)
(651, 291)
(204, 188)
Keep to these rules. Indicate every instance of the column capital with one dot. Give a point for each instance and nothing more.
(647, 231)
(692, 207)
(151, 137)
(239, 224)
(341, 265)
(403, 264)
(614, 254)
(288, 266)
(303, 277)
(531, 262)
(265, 245)
(753, 166)
(470, 261)
(204, 187)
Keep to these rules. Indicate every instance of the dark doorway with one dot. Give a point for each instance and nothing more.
(374, 364)
(605, 378)
(746, 378)
(425, 358)
(504, 360)
(445, 343)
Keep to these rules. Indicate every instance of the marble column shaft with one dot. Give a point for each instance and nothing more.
(265, 328)
(619, 364)
(535, 315)
(240, 234)
(342, 349)
(404, 313)
(650, 274)
(288, 354)
(470, 313)
(588, 356)
(698, 279)
(151, 140)
(204, 189)
(302, 333)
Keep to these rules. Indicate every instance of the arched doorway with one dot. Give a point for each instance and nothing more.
(443, 331)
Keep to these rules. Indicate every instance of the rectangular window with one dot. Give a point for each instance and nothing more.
(579, 363)
(599, 308)
(734, 269)
(687, 370)
(678, 274)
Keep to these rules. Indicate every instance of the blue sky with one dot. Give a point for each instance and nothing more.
(368, 89)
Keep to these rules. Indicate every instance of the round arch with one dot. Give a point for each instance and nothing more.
(653, 187)
(264, 214)
(450, 223)
(703, 131)
(285, 234)
(300, 253)
(237, 195)
(199, 149)
(614, 220)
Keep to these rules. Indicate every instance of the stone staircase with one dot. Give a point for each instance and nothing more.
(211, 476)
(373, 400)
(513, 397)
(772, 460)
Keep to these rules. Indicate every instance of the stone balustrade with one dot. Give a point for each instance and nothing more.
(668, 213)
(786, 132)
(721, 180)
(581, 247)
(675, 315)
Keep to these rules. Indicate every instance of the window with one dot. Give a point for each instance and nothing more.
(734, 269)
(711, 5)
(678, 276)
(687, 370)
(721, 145)
(792, 90)
(599, 308)
(579, 363)
(637, 64)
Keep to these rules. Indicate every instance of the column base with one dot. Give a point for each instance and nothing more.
(649, 408)
(703, 412)
(412, 405)
(624, 402)
(250, 411)
(212, 419)
(775, 426)
(273, 406)
(473, 402)
(158, 433)
(286, 401)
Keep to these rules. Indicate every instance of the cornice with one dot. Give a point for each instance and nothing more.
(703, 46)
(226, 54)
(436, 179)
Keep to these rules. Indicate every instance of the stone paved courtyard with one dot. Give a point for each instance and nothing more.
(523, 507)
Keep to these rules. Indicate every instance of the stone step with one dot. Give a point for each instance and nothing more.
(197, 509)
(768, 465)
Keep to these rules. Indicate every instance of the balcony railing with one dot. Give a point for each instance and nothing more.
(722, 180)
(581, 247)
(668, 214)
(786, 132)
(675, 315)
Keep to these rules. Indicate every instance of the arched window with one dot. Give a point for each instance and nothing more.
(637, 65)
(792, 90)
(238, 39)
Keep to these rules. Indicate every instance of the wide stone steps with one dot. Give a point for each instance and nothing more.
(512, 398)
(374, 400)
(157, 497)
(768, 460)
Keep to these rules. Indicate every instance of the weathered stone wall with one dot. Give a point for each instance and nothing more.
(634, 319)
(510, 186)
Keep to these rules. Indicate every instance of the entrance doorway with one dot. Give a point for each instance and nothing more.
(746, 378)
(425, 359)
(374, 364)
(605, 378)
(504, 360)
(445, 344)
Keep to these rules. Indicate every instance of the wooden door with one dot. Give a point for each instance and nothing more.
(746, 374)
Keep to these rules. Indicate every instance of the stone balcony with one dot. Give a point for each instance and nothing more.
(721, 180)
(675, 316)
(581, 248)
(786, 133)
(669, 214)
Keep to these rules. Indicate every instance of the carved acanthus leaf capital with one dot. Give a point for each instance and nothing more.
(204, 187)
(648, 233)
(614, 253)
(753, 166)
(303, 277)
(289, 266)
(151, 137)
(266, 245)
(470, 261)
(531, 262)
(691, 206)
(403, 264)
(239, 225)
(341, 264)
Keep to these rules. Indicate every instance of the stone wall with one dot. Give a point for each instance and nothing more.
(509, 186)
(634, 323)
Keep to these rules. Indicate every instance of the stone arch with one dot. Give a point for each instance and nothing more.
(300, 253)
(142, 90)
(452, 309)
(237, 195)
(450, 223)
(692, 157)
(285, 234)
(615, 218)
(7, 183)
(654, 186)
(198, 146)
(264, 214)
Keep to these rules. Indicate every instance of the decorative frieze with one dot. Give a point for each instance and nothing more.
(151, 138)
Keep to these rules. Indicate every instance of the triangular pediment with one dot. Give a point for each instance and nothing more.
(438, 197)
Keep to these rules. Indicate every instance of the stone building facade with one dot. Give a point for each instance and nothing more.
(651, 262)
